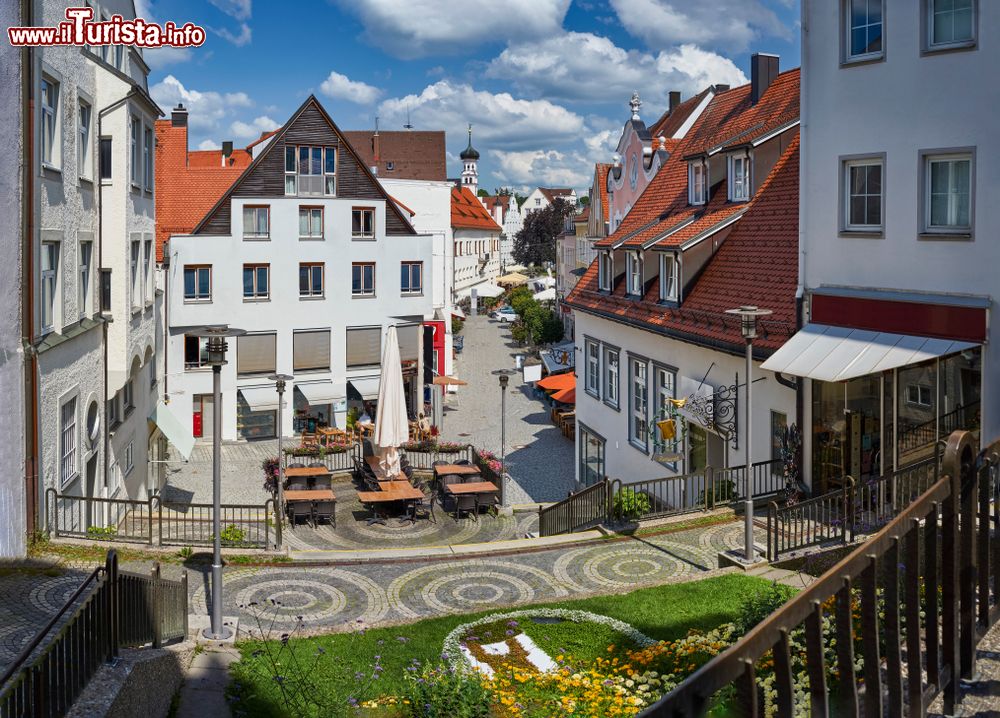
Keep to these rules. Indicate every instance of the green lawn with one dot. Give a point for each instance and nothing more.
(338, 666)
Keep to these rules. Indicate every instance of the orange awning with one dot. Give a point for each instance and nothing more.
(555, 382)
(566, 396)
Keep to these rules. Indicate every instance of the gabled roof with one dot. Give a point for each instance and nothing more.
(310, 102)
(467, 212)
(670, 122)
(729, 116)
(757, 264)
(551, 193)
(414, 154)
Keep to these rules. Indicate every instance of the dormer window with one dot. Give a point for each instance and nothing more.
(633, 270)
(668, 278)
(739, 178)
(697, 182)
(605, 271)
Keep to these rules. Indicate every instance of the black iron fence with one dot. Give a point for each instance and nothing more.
(157, 522)
(579, 510)
(110, 610)
(906, 610)
(425, 459)
(335, 459)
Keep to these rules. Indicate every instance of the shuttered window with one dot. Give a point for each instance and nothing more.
(311, 350)
(408, 337)
(255, 354)
(364, 346)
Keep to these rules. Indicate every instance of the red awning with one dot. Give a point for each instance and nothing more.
(566, 396)
(556, 382)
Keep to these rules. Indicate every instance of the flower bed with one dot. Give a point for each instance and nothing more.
(430, 446)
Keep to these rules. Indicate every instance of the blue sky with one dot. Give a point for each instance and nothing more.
(545, 83)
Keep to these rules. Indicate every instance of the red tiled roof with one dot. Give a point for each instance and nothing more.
(670, 122)
(602, 184)
(467, 212)
(418, 155)
(552, 192)
(263, 136)
(188, 184)
(584, 215)
(756, 264)
(730, 117)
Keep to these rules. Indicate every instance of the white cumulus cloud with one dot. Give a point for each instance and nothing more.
(729, 24)
(253, 129)
(548, 168)
(209, 145)
(438, 27)
(206, 110)
(344, 88)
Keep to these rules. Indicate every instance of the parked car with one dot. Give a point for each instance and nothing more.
(504, 314)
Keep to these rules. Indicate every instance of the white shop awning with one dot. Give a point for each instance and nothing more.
(179, 433)
(260, 398)
(320, 392)
(485, 290)
(827, 353)
(366, 387)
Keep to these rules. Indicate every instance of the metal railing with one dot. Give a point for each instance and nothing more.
(812, 522)
(110, 610)
(425, 459)
(878, 501)
(159, 522)
(581, 509)
(335, 461)
(767, 478)
(925, 591)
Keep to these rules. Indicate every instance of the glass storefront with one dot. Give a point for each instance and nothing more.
(308, 417)
(255, 424)
(866, 426)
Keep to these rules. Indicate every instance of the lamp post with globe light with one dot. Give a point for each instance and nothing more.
(279, 384)
(504, 376)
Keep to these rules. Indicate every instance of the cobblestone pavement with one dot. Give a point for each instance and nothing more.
(29, 596)
(330, 597)
(242, 476)
(539, 457)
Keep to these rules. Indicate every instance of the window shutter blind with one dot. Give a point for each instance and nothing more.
(364, 346)
(255, 353)
(407, 336)
(311, 350)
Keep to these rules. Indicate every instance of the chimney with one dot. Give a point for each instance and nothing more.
(227, 151)
(763, 70)
(675, 99)
(179, 116)
(720, 88)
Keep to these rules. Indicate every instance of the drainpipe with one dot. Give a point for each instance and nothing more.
(805, 463)
(31, 369)
(100, 263)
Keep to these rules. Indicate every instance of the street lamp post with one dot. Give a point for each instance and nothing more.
(279, 384)
(748, 328)
(216, 348)
(504, 376)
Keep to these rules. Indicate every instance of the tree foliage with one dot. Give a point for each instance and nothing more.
(536, 242)
(537, 323)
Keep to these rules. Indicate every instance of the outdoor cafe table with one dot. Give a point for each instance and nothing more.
(457, 469)
(407, 494)
(306, 472)
(310, 495)
(394, 485)
(478, 487)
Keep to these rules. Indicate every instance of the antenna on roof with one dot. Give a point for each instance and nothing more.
(376, 125)
(408, 126)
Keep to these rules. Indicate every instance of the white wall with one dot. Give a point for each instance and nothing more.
(899, 106)
(286, 312)
(623, 460)
(469, 261)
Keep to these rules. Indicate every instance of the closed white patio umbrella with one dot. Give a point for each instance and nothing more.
(391, 426)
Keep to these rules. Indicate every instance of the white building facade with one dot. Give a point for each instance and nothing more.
(542, 197)
(898, 242)
(309, 255)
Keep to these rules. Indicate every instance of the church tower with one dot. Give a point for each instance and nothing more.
(470, 160)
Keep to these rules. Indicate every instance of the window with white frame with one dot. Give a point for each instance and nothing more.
(50, 284)
(256, 221)
(134, 150)
(135, 249)
(195, 352)
(83, 284)
(129, 461)
(739, 178)
(633, 267)
(147, 270)
(256, 281)
(114, 412)
(605, 271)
(363, 223)
(311, 279)
(863, 26)
(68, 441)
(411, 277)
(950, 23)
(128, 396)
(310, 171)
(147, 158)
(863, 191)
(593, 373)
(363, 279)
(50, 122)
(104, 158)
(948, 193)
(919, 395)
(611, 356)
(197, 283)
(666, 389)
(83, 168)
(668, 277)
(697, 182)
(638, 403)
(310, 223)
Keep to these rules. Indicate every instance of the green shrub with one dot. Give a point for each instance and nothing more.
(102, 533)
(761, 605)
(443, 692)
(723, 491)
(457, 325)
(186, 552)
(519, 332)
(630, 504)
(232, 534)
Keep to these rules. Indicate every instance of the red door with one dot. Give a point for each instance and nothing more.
(196, 416)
